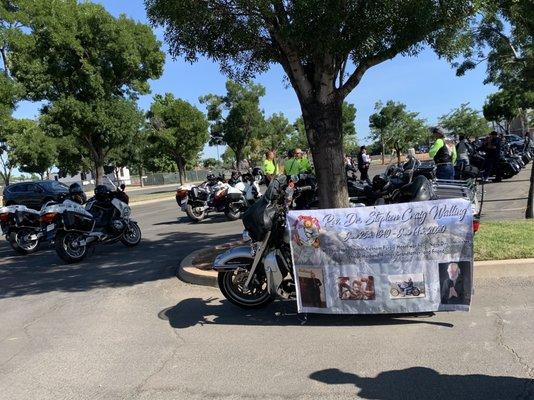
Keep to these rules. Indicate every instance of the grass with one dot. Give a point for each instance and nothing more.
(152, 196)
(504, 240)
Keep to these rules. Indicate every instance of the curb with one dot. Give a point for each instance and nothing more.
(495, 269)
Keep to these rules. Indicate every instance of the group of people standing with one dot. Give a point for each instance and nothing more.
(362, 161)
(296, 163)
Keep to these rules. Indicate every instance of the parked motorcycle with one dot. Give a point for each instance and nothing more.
(105, 219)
(242, 192)
(198, 201)
(22, 225)
(404, 290)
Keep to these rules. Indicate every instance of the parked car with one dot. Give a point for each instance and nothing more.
(34, 194)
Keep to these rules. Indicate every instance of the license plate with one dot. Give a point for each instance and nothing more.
(50, 227)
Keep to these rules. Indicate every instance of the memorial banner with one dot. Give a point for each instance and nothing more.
(401, 258)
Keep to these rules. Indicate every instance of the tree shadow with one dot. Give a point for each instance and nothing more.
(198, 311)
(209, 219)
(110, 265)
(420, 383)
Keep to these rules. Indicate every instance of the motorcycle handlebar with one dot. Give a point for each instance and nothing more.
(304, 188)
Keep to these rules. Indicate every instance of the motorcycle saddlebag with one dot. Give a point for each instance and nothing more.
(234, 196)
(419, 190)
(198, 194)
(27, 219)
(258, 219)
(77, 222)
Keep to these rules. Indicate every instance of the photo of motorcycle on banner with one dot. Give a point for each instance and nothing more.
(400, 258)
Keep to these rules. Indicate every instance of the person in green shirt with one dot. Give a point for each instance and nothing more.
(269, 166)
(443, 152)
(292, 165)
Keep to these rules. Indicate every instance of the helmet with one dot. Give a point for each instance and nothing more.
(211, 177)
(101, 192)
(257, 171)
(75, 188)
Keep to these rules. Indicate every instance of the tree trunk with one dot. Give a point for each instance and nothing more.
(397, 150)
(99, 169)
(180, 165)
(383, 151)
(325, 135)
(141, 177)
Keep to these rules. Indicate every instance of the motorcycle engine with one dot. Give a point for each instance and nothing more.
(117, 225)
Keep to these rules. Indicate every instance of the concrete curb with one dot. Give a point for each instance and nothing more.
(494, 269)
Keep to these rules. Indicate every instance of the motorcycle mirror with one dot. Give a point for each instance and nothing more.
(122, 186)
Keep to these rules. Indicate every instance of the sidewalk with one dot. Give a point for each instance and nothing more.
(195, 268)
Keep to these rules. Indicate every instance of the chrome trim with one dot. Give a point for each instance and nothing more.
(221, 261)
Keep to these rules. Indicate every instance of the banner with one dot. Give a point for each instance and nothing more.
(401, 258)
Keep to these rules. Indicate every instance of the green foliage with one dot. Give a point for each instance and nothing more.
(277, 134)
(211, 163)
(396, 128)
(32, 150)
(98, 127)
(503, 106)
(236, 118)
(464, 121)
(503, 36)
(179, 130)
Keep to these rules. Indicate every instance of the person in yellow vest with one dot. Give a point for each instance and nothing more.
(269, 166)
(292, 166)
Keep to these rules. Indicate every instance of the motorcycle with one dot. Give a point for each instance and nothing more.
(404, 290)
(252, 276)
(242, 192)
(22, 225)
(105, 219)
(198, 201)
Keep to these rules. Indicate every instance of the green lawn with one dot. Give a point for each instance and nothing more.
(503, 240)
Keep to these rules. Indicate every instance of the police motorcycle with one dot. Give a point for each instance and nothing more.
(252, 276)
(105, 219)
(243, 191)
(22, 225)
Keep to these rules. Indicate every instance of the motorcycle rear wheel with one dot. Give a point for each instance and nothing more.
(195, 216)
(233, 213)
(231, 286)
(20, 246)
(66, 249)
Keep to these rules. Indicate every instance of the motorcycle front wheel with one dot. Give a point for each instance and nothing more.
(231, 285)
(233, 212)
(394, 292)
(19, 242)
(68, 247)
(132, 236)
(195, 216)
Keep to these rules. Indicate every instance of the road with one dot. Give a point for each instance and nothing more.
(121, 326)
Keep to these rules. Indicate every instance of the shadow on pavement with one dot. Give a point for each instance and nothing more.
(210, 219)
(421, 383)
(110, 265)
(198, 311)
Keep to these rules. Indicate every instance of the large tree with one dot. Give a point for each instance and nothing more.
(89, 67)
(396, 128)
(179, 130)
(236, 117)
(324, 47)
(464, 121)
(32, 150)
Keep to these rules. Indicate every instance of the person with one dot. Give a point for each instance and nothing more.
(305, 164)
(463, 149)
(292, 164)
(269, 166)
(527, 141)
(315, 289)
(444, 154)
(492, 147)
(363, 164)
(452, 288)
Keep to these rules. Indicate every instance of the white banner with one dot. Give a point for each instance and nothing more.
(401, 258)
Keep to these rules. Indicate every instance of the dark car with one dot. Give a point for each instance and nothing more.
(34, 194)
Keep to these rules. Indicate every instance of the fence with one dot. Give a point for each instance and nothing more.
(174, 178)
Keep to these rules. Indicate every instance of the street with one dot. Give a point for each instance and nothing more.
(121, 325)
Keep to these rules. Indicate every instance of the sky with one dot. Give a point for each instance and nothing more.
(424, 83)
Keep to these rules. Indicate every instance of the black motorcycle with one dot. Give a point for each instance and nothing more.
(105, 219)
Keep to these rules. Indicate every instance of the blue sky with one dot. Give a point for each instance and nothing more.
(424, 83)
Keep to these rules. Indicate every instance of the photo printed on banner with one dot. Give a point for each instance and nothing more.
(356, 287)
(455, 285)
(406, 286)
(312, 289)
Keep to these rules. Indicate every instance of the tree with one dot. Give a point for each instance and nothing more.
(277, 134)
(90, 67)
(32, 150)
(503, 106)
(503, 37)
(211, 163)
(236, 117)
(464, 121)
(179, 130)
(316, 43)
(348, 115)
(396, 128)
